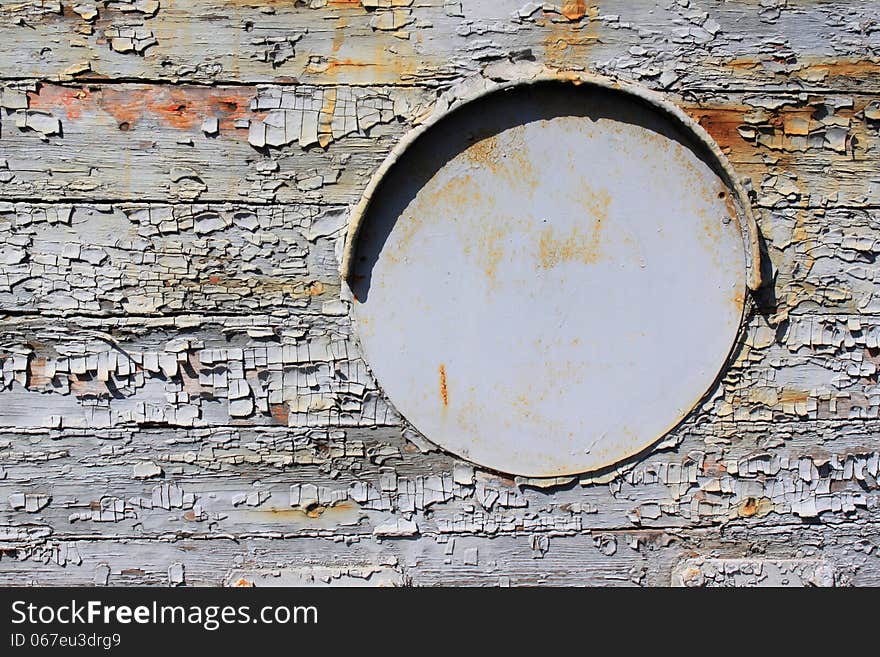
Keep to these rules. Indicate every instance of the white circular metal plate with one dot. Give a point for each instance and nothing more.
(549, 279)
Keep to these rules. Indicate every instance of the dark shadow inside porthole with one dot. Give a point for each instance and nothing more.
(485, 117)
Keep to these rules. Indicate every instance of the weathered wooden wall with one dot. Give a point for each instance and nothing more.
(181, 396)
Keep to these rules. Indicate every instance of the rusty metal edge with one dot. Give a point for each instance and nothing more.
(514, 76)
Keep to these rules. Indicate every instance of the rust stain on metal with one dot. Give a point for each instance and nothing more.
(739, 298)
(509, 161)
(576, 245)
(554, 250)
(484, 152)
(490, 251)
(444, 391)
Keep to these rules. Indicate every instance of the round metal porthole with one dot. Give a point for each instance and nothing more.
(550, 276)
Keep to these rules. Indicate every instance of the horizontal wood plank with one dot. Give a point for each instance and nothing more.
(815, 45)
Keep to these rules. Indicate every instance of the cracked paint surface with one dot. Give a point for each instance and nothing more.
(183, 400)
